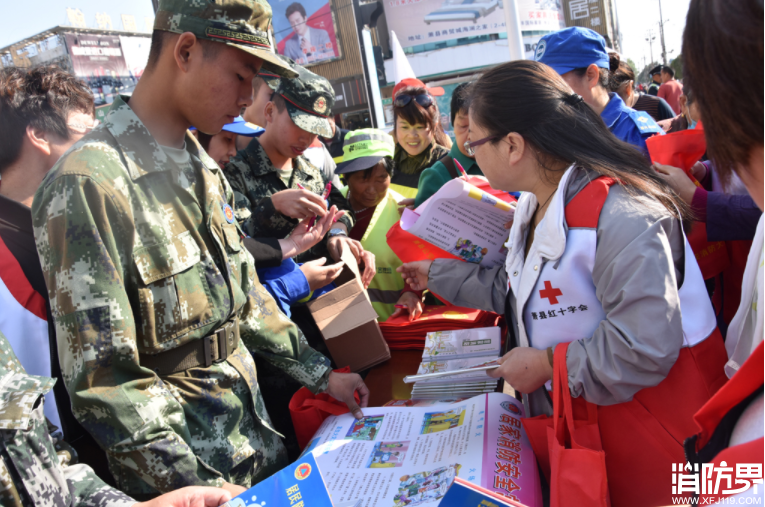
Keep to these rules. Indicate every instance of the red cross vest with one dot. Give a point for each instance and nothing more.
(644, 436)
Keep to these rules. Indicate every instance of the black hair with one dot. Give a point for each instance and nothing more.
(719, 36)
(669, 70)
(621, 75)
(531, 99)
(293, 8)
(605, 74)
(460, 99)
(279, 101)
(42, 98)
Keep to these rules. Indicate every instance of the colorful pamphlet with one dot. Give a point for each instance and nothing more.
(465, 494)
(462, 343)
(411, 456)
(298, 485)
(463, 220)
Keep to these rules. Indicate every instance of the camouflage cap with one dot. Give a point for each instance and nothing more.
(271, 79)
(309, 99)
(243, 24)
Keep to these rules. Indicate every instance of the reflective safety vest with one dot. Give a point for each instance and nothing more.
(386, 286)
(557, 303)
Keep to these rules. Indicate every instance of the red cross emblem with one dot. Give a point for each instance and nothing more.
(550, 293)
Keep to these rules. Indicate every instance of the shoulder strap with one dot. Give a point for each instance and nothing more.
(448, 162)
(584, 209)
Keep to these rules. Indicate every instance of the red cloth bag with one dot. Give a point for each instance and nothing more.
(309, 410)
(683, 149)
(568, 446)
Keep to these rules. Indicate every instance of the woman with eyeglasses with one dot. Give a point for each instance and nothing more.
(419, 138)
(598, 275)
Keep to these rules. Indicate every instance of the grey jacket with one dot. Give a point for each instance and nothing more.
(638, 270)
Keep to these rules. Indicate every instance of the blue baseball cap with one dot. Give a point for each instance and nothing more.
(572, 48)
(241, 127)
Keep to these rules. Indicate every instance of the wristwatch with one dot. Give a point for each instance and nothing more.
(337, 232)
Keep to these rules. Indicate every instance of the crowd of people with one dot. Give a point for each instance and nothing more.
(155, 268)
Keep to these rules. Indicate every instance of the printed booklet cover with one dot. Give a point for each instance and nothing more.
(410, 456)
(298, 485)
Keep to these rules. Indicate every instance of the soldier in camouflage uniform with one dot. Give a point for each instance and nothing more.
(156, 304)
(267, 176)
(34, 467)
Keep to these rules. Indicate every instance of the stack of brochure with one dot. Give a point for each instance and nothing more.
(455, 364)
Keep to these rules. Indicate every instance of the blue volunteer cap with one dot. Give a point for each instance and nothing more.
(572, 48)
(241, 127)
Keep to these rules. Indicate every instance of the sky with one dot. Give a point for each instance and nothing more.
(22, 19)
(636, 17)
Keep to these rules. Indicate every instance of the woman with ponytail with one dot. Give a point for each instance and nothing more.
(599, 279)
(579, 56)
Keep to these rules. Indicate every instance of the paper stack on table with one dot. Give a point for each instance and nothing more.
(404, 335)
(410, 456)
(451, 351)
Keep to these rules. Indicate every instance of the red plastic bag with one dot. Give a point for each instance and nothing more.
(568, 445)
(309, 410)
(683, 149)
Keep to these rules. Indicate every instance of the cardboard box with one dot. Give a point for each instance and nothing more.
(348, 321)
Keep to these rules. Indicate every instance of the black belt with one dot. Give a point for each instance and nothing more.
(213, 348)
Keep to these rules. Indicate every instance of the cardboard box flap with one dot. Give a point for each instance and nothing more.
(342, 310)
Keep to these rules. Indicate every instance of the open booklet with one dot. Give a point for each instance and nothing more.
(410, 456)
(464, 221)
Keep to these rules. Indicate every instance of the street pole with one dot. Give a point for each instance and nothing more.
(367, 74)
(661, 34)
(513, 26)
(650, 40)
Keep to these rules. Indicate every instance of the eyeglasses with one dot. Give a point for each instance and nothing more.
(82, 126)
(403, 99)
(470, 146)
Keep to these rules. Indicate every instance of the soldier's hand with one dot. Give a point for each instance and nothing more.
(342, 386)
(298, 203)
(318, 274)
(192, 496)
(304, 238)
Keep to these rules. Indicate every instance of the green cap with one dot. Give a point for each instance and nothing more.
(309, 99)
(364, 148)
(243, 24)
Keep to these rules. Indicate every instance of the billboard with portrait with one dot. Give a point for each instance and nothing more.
(305, 31)
(424, 21)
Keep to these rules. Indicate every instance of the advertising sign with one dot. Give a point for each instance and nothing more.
(422, 21)
(305, 31)
(589, 14)
(98, 60)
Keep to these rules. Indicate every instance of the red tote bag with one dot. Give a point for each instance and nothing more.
(568, 446)
(309, 410)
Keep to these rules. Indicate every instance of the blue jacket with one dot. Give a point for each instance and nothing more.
(288, 285)
(630, 126)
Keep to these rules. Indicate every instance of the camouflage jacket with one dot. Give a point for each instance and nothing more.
(255, 179)
(141, 255)
(31, 472)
